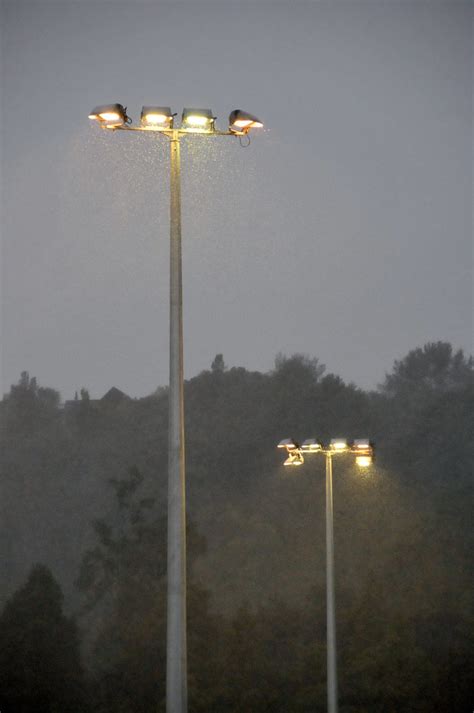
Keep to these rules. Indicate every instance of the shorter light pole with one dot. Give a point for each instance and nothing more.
(364, 453)
(330, 593)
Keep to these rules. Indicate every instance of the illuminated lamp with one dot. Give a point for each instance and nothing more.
(111, 115)
(157, 116)
(241, 122)
(198, 119)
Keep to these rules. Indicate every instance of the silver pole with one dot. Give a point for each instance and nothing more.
(330, 599)
(176, 664)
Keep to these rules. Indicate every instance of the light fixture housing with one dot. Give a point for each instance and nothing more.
(311, 445)
(289, 444)
(338, 445)
(364, 452)
(241, 121)
(362, 444)
(159, 117)
(111, 115)
(295, 457)
(198, 120)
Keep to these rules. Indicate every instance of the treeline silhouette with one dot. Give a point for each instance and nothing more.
(83, 517)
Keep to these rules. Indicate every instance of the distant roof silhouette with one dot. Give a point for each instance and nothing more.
(114, 395)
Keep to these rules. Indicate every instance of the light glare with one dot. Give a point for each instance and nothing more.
(195, 120)
(156, 118)
(110, 116)
(364, 461)
(244, 123)
(338, 444)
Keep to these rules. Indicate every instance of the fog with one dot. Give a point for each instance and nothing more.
(327, 270)
(352, 207)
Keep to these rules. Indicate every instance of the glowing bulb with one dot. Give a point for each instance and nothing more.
(338, 444)
(197, 120)
(156, 119)
(246, 123)
(110, 116)
(364, 461)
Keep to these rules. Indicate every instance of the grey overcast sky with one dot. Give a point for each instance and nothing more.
(344, 231)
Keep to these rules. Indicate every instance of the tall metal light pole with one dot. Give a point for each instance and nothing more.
(196, 122)
(176, 669)
(330, 596)
(363, 451)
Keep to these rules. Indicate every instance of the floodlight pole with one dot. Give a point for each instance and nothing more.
(364, 451)
(176, 637)
(176, 659)
(113, 117)
(330, 596)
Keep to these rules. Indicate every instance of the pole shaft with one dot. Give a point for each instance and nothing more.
(176, 663)
(330, 596)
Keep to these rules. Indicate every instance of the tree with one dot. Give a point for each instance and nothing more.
(28, 406)
(402, 529)
(83, 415)
(432, 368)
(299, 368)
(218, 365)
(270, 661)
(124, 581)
(40, 670)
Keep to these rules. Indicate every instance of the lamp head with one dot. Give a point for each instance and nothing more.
(110, 115)
(311, 445)
(198, 120)
(289, 444)
(157, 116)
(364, 452)
(339, 445)
(362, 444)
(241, 121)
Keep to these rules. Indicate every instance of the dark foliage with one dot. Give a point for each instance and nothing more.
(39, 654)
(256, 549)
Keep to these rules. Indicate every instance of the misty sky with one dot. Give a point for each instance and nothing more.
(344, 231)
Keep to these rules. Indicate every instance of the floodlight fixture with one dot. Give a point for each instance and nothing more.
(295, 457)
(110, 115)
(361, 444)
(289, 444)
(157, 116)
(364, 452)
(198, 120)
(364, 461)
(311, 445)
(339, 445)
(241, 121)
